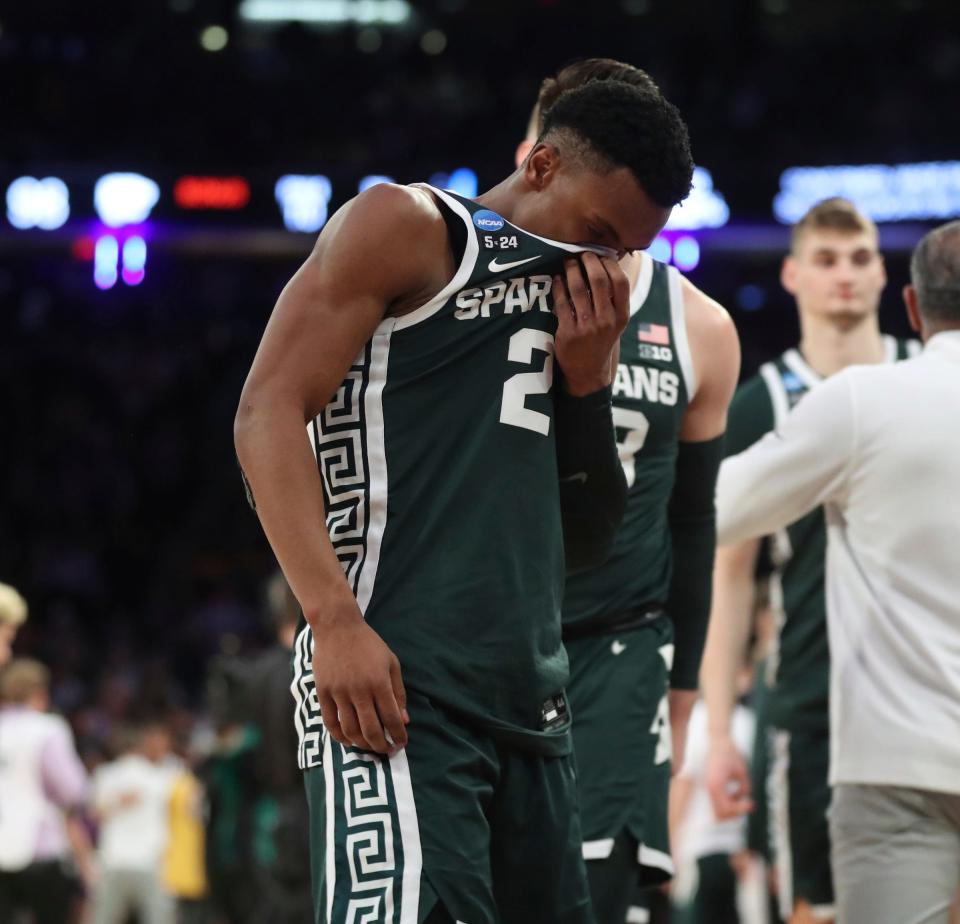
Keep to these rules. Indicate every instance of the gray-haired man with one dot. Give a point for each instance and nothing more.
(878, 446)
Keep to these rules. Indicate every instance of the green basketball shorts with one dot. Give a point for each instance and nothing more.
(798, 794)
(458, 828)
(621, 737)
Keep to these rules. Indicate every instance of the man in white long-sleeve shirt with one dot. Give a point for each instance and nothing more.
(879, 447)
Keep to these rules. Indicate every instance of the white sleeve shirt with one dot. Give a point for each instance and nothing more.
(879, 448)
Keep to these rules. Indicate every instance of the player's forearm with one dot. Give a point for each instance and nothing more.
(274, 453)
(593, 488)
(693, 539)
(727, 636)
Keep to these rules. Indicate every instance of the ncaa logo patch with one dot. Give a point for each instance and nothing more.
(486, 220)
(791, 382)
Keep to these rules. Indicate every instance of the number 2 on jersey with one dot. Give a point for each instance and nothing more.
(637, 427)
(513, 410)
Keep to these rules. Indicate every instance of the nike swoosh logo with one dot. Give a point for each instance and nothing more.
(579, 476)
(496, 267)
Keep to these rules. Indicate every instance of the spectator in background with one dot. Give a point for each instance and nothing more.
(43, 787)
(131, 800)
(184, 865)
(13, 613)
(715, 881)
(234, 827)
(283, 868)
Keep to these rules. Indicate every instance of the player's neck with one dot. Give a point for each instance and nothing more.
(500, 199)
(828, 347)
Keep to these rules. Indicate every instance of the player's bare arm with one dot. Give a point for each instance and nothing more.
(362, 269)
(727, 776)
(715, 348)
(715, 351)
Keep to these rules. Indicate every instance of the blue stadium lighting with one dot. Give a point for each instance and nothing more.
(331, 12)
(751, 297)
(33, 203)
(303, 201)
(686, 253)
(922, 191)
(703, 208)
(124, 198)
(375, 179)
(463, 181)
(105, 255)
(134, 260)
(661, 249)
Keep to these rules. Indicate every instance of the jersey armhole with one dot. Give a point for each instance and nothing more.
(464, 269)
(641, 288)
(679, 323)
(778, 393)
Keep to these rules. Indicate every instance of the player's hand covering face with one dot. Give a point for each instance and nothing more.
(592, 304)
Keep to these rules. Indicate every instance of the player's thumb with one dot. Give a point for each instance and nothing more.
(399, 691)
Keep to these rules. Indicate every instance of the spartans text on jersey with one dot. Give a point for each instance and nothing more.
(658, 386)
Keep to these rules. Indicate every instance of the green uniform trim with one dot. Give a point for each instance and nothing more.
(621, 734)
(454, 823)
(798, 796)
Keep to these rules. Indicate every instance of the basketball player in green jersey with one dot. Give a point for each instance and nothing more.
(418, 343)
(835, 272)
(634, 626)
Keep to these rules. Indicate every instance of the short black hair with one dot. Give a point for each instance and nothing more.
(582, 72)
(935, 274)
(633, 127)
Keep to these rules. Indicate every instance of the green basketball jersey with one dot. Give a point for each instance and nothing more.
(438, 462)
(798, 669)
(651, 391)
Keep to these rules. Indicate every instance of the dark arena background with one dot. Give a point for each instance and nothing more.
(167, 164)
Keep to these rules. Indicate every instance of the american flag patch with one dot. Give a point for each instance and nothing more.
(654, 333)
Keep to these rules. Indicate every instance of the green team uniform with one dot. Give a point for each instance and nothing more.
(618, 633)
(438, 462)
(798, 669)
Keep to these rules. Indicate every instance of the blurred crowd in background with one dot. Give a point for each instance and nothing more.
(167, 811)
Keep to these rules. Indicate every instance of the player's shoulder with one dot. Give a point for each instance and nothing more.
(388, 235)
(393, 210)
(705, 317)
(714, 344)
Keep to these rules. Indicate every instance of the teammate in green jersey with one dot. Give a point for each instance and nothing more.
(836, 274)
(634, 626)
(418, 344)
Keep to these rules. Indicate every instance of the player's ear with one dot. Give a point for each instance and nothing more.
(913, 307)
(523, 149)
(788, 274)
(541, 166)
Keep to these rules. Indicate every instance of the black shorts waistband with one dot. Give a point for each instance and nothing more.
(621, 622)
